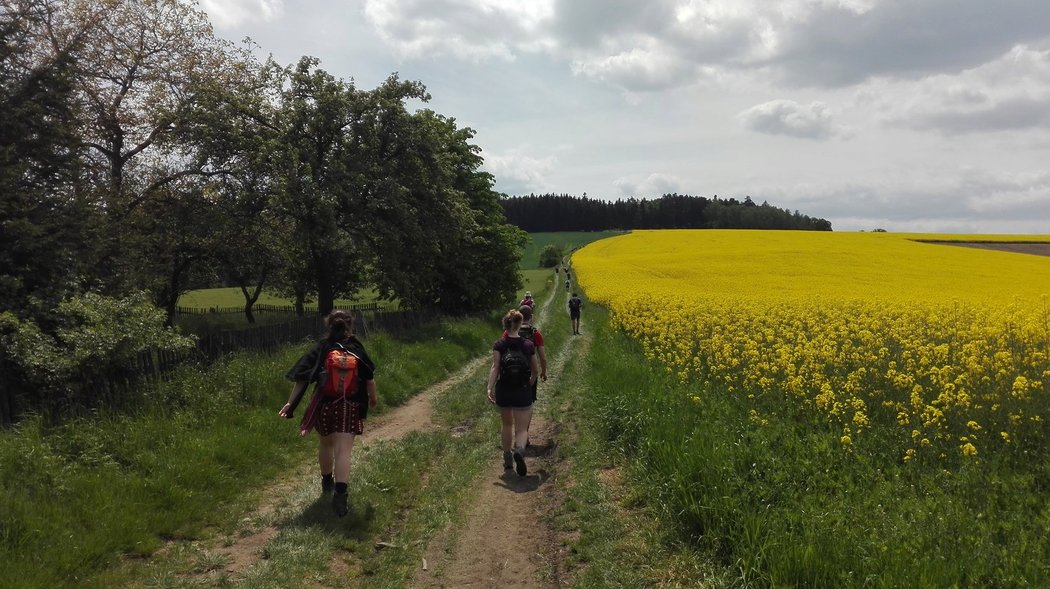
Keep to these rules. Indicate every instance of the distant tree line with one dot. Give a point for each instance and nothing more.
(563, 212)
(140, 156)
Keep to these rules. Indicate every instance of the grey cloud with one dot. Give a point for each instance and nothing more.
(1011, 114)
(591, 24)
(786, 117)
(906, 38)
(651, 186)
(426, 28)
(965, 198)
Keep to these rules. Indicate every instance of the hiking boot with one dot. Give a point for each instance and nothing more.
(519, 463)
(327, 484)
(508, 460)
(339, 504)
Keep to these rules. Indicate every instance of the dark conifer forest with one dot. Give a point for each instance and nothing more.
(564, 212)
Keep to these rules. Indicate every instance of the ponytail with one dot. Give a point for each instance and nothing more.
(512, 320)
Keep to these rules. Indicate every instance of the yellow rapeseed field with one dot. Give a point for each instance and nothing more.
(947, 346)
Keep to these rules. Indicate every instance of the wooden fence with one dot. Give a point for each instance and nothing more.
(308, 309)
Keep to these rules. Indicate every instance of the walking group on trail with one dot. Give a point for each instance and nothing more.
(345, 389)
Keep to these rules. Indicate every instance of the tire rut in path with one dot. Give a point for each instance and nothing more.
(414, 415)
(505, 541)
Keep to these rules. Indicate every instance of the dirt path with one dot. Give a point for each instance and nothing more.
(415, 415)
(242, 552)
(505, 540)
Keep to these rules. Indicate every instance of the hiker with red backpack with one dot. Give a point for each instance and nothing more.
(344, 392)
(510, 387)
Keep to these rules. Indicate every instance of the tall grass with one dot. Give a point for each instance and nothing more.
(777, 500)
(79, 495)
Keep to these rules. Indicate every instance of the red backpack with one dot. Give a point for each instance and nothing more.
(339, 373)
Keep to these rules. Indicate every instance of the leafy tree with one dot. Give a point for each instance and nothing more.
(44, 218)
(454, 251)
(139, 77)
(315, 198)
(550, 256)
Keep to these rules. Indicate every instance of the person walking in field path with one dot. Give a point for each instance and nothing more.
(528, 301)
(513, 374)
(345, 390)
(575, 304)
(532, 333)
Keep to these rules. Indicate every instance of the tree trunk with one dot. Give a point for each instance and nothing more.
(325, 298)
(300, 302)
(249, 302)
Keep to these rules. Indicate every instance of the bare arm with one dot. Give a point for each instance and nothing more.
(297, 391)
(493, 374)
(370, 388)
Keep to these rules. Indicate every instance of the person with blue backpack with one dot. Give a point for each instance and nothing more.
(510, 387)
(344, 392)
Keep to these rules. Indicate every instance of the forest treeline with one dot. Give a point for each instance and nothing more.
(563, 212)
(141, 156)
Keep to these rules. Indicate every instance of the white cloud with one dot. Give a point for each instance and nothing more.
(1009, 93)
(232, 13)
(519, 173)
(636, 70)
(649, 186)
(787, 117)
(469, 30)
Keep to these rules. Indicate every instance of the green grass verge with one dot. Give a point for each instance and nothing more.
(79, 496)
(615, 540)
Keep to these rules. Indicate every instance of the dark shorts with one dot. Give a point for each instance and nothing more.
(340, 416)
(574, 314)
(519, 397)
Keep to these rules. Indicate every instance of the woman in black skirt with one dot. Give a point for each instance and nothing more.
(345, 390)
(514, 371)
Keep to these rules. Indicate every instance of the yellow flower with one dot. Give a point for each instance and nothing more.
(968, 449)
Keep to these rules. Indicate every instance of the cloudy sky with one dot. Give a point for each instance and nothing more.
(909, 115)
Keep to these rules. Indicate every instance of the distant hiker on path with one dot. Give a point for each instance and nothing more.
(510, 387)
(528, 300)
(575, 304)
(346, 389)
